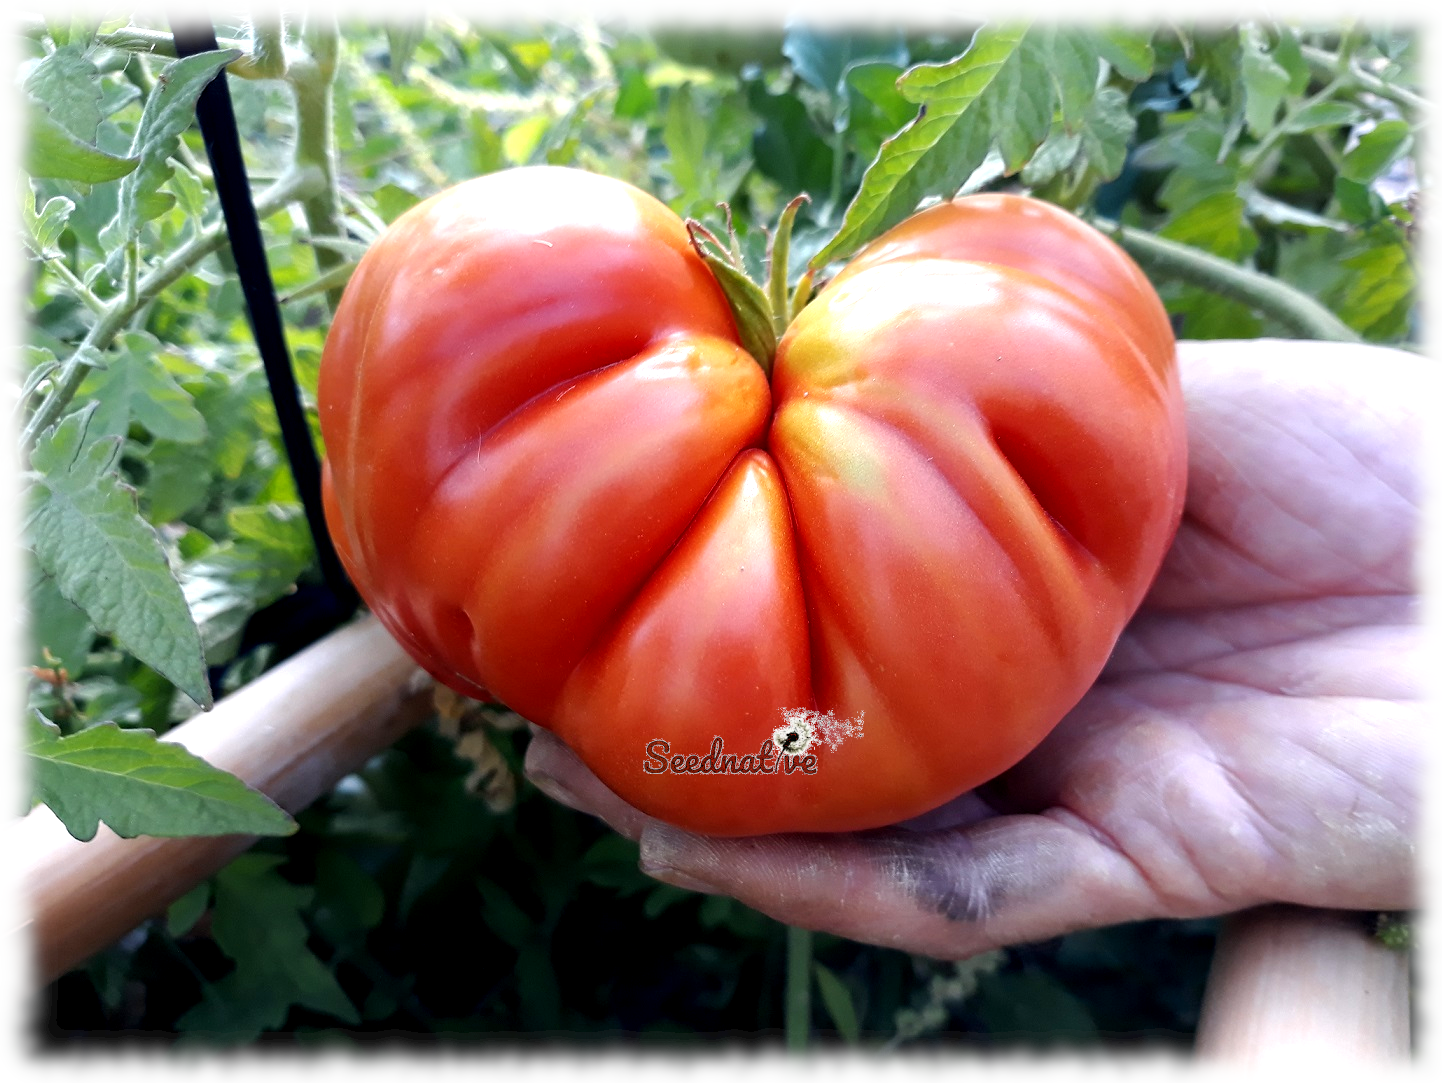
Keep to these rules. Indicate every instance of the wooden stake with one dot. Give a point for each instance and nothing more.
(292, 734)
(1292, 987)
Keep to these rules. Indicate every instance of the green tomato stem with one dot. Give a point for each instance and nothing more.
(312, 78)
(57, 264)
(116, 316)
(267, 59)
(1253, 158)
(263, 63)
(1329, 64)
(1289, 306)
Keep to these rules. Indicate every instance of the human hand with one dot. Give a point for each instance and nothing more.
(1255, 736)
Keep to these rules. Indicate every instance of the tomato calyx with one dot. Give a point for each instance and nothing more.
(762, 315)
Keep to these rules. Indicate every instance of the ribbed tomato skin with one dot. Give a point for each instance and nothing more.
(558, 479)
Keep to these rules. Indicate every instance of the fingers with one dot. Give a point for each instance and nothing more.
(947, 891)
(948, 894)
(1303, 479)
(556, 772)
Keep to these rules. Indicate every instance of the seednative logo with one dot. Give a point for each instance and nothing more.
(792, 747)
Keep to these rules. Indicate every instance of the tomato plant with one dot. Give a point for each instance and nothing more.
(1265, 175)
(559, 479)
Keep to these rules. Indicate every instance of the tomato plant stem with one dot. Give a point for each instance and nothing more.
(265, 60)
(1328, 64)
(1253, 158)
(118, 313)
(312, 77)
(798, 987)
(1289, 306)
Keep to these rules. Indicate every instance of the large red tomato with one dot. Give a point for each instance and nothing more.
(557, 478)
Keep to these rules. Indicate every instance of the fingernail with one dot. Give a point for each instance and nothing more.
(554, 790)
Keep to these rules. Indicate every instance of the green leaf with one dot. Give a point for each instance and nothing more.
(225, 585)
(1007, 74)
(1216, 56)
(424, 873)
(279, 528)
(140, 785)
(938, 150)
(76, 31)
(822, 58)
(1374, 153)
(50, 222)
(1379, 295)
(1357, 202)
(188, 190)
(562, 139)
(392, 200)
(1217, 224)
(749, 307)
(1033, 1003)
(502, 916)
(348, 901)
(402, 39)
(257, 922)
(42, 230)
(177, 480)
(168, 112)
(52, 152)
(787, 146)
(1288, 53)
(38, 364)
(1023, 96)
(335, 278)
(231, 405)
(1264, 81)
(135, 387)
(109, 973)
(537, 988)
(875, 107)
(1323, 114)
(1070, 59)
(1106, 132)
(1128, 51)
(109, 701)
(1260, 205)
(684, 136)
(67, 84)
(57, 626)
(87, 533)
(839, 1005)
(663, 897)
(636, 98)
(1207, 315)
(184, 912)
(524, 137)
(1052, 158)
(1189, 150)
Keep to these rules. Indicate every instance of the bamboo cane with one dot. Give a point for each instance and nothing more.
(292, 734)
(1291, 986)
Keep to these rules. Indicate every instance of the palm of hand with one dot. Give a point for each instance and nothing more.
(1253, 738)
